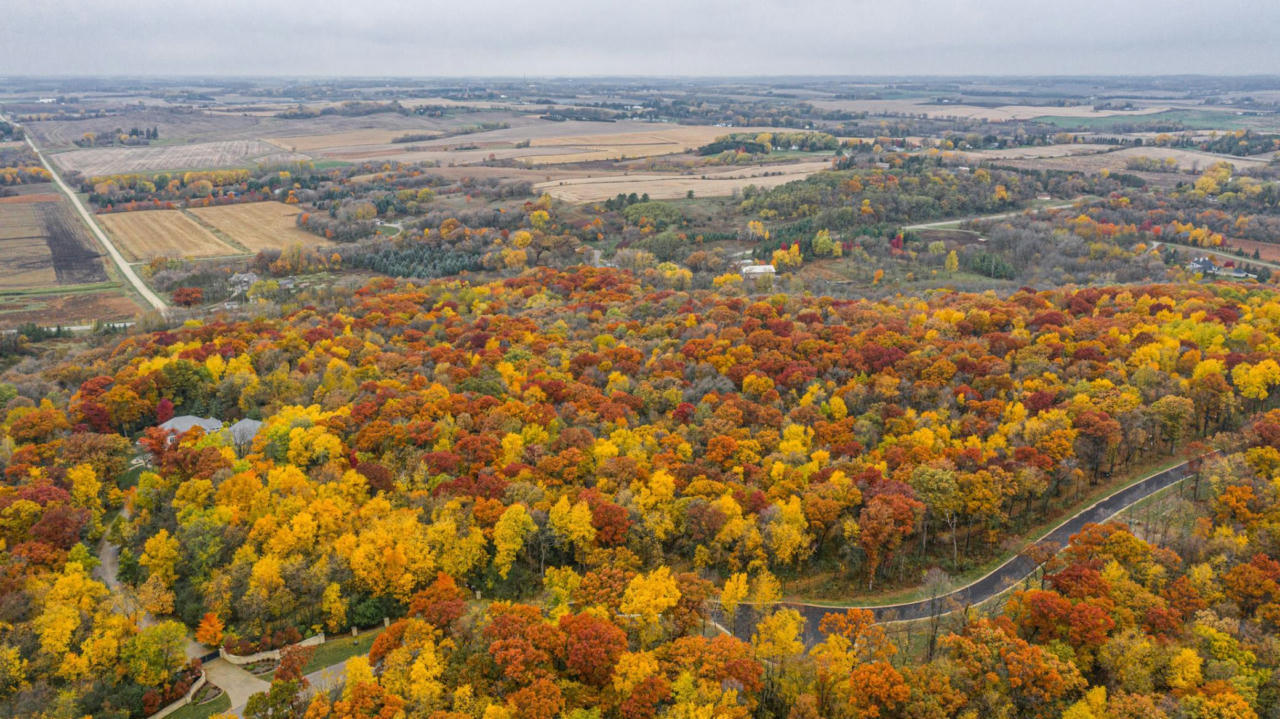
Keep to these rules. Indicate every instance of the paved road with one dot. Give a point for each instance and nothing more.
(1000, 579)
(236, 682)
(152, 298)
(322, 680)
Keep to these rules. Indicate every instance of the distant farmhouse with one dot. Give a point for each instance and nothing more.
(758, 271)
(240, 282)
(1206, 267)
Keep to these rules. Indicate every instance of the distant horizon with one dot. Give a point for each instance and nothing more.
(651, 76)
(656, 38)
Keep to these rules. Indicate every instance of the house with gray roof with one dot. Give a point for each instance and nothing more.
(182, 423)
(243, 432)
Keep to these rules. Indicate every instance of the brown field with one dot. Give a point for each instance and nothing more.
(33, 198)
(43, 244)
(232, 153)
(550, 143)
(354, 138)
(148, 234)
(1042, 151)
(1267, 251)
(259, 225)
(671, 186)
(663, 140)
(70, 309)
(1004, 112)
(27, 262)
(1189, 161)
(227, 124)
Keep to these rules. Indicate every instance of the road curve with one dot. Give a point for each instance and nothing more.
(999, 580)
(152, 298)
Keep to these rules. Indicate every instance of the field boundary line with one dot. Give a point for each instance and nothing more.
(125, 268)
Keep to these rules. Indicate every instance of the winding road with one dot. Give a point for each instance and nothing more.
(236, 682)
(999, 580)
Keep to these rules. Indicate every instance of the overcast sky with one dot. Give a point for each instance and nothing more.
(638, 37)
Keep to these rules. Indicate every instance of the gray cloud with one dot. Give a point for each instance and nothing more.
(642, 37)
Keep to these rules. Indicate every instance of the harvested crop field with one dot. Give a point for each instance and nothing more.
(76, 308)
(27, 261)
(259, 225)
(34, 198)
(663, 140)
(43, 244)
(148, 234)
(1041, 151)
(668, 187)
(1267, 251)
(921, 106)
(1189, 161)
(549, 143)
(232, 153)
(354, 138)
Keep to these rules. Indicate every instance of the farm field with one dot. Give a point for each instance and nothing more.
(609, 146)
(43, 244)
(1267, 251)
(259, 225)
(32, 198)
(27, 261)
(1038, 152)
(353, 138)
(672, 186)
(920, 106)
(68, 308)
(148, 234)
(231, 153)
(229, 124)
(1195, 119)
(1188, 160)
(549, 143)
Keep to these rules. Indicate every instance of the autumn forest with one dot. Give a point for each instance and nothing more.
(631, 400)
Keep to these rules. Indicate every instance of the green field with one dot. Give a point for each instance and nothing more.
(1188, 119)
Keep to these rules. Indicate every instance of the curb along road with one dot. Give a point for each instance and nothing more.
(999, 580)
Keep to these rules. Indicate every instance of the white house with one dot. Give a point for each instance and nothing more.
(759, 271)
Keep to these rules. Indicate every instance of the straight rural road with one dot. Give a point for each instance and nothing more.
(152, 298)
(999, 580)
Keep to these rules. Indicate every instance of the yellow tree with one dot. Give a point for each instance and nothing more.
(777, 636)
(86, 492)
(508, 537)
(572, 524)
(787, 534)
(735, 590)
(647, 596)
(160, 555)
